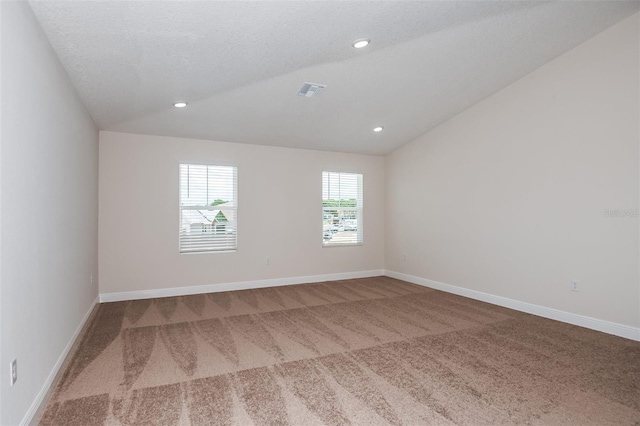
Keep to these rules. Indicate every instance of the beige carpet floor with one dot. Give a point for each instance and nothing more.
(368, 352)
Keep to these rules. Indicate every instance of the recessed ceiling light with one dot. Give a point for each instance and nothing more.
(180, 104)
(359, 44)
(378, 129)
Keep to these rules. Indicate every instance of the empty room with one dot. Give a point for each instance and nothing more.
(319, 212)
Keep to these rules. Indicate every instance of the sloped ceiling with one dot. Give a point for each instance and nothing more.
(241, 64)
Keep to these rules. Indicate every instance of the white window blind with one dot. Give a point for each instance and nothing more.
(341, 208)
(208, 208)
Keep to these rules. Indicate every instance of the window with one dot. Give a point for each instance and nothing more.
(208, 208)
(341, 208)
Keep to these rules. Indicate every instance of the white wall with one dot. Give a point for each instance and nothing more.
(49, 210)
(509, 197)
(279, 213)
(0, 210)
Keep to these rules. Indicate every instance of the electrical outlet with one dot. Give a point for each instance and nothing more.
(91, 279)
(14, 371)
(575, 286)
(267, 260)
(404, 257)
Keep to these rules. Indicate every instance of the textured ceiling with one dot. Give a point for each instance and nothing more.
(241, 64)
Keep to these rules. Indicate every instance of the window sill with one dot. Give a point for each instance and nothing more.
(208, 251)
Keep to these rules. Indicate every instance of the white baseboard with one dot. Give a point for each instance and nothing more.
(40, 398)
(609, 327)
(242, 285)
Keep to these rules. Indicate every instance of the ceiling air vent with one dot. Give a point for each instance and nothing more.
(311, 89)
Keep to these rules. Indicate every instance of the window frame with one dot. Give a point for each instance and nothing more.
(359, 209)
(209, 207)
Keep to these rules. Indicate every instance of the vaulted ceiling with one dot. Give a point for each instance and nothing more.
(239, 65)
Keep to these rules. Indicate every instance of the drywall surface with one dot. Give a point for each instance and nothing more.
(532, 188)
(279, 213)
(49, 211)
